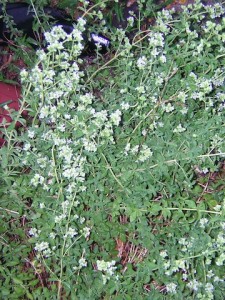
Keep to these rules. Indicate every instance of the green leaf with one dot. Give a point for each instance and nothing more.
(5, 103)
(17, 280)
(33, 282)
(29, 295)
(133, 216)
(155, 209)
(5, 291)
(13, 263)
(212, 203)
(190, 204)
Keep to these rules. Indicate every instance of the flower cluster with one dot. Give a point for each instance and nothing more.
(108, 269)
(67, 128)
(188, 251)
(142, 152)
(43, 249)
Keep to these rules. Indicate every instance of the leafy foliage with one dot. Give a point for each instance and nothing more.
(105, 192)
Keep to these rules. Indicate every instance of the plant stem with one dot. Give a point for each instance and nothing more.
(195, 209)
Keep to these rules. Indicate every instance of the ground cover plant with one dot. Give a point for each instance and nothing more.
(114, 187)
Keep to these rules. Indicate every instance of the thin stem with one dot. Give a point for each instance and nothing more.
(92, 7)
(111, 171)
(187, 158)
(195, 209)
(54, 164)
(9, 211)
(115, 57)
(63, 251)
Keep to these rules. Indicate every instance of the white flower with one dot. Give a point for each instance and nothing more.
(42, 162)
(184, 276)
(82, 220)
(52, 235)
(77, 36)
(86, 99)
(42, 205)
(159, 80)
(163, 253)
(209, 287)
(144, 132)
(34, 232)
(222, 224)
(116, 117)
(74, 171)
(107, 132)
(71, 233)
(180, 263)
(183, 241)
(221, 238)
(107, 267)
(179, 129)
(166, 265)
(41, 55)
(182, 96)
(210, 274)
(82, 189)
(100, 117)
(168, 108)
(66, 153)
(153, 99)
(65, 205)
(127, 149)
(81, 22)
(217, 279)
(194, 285)
(61, 127)
(23, 74)
(184, 111)
(203, 222)
(141, 62)
(57, 33)
(54, 46)
(205, 85)
(123, 91)
(31, 134)
(205, 170)
(44, 112)
(171, 288)
(145, 153)
(37, 179)
(140, 89)
(82, 263)
(162, 59)
(157, 40)
(89, 145)
(58, 219)
(135, 149)
(193, 76)
(67, 116)
(41, 246)
(86, 231)
(125, 106)
(154, 52)
(26, 147)
(130, 21)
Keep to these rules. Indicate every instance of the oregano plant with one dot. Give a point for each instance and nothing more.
(113, 189)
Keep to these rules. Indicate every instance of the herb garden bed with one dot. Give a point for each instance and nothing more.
(114, 187)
